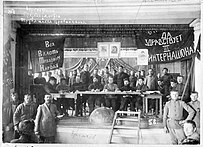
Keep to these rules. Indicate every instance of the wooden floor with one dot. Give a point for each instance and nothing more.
(152, 135)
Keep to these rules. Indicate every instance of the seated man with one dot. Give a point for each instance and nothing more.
(64, 102)
(192, 137)
(78, 86)
(94, 99)
(125, 98)
(110, 100)
(26, 131)
(137, 101)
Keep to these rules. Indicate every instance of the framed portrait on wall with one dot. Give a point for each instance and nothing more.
(103, 49)
(142, 57)
(114, 49)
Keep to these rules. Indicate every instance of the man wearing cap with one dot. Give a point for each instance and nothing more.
(26, 129)
(173, 117)
(45, 122)
(25, 111)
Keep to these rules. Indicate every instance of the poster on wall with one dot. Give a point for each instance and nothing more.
(128, 53)
(142, 57)
(166, 46)
(47, 54)
(103, 50)
(114, 49)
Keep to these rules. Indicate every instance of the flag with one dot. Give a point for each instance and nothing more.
(7, 70)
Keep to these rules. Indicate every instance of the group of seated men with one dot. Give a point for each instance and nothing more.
(117, 81)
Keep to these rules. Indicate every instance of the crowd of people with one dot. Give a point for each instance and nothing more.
(47, 111)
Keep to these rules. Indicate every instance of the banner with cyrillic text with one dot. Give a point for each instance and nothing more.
(167, 46)
(47, 54)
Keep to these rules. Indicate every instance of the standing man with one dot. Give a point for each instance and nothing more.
(30, 78)
(195, 104)
(106, 76)
(151, 82)
(133, 79)
(72, 78)
(45, 122)
(120, 83)
(85, 79)
(95, 74)
(85, 76)
(166, 77)
(7, 117)
(173, 117)
(25, 111)
(121, 76)
(180, 88)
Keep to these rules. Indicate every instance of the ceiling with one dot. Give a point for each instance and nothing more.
(104, 11)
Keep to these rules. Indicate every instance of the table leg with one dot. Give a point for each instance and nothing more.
(75, 102)
(157, 108)
(160, 105)
(146, 105)
(143, 105)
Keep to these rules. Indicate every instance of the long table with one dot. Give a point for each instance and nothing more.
(146, 96)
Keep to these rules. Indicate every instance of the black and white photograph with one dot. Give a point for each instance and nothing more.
(101, 73)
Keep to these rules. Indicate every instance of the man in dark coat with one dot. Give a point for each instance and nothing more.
(137, 101)
(125, 99)
(166, 77)
(64, 102)
(78, 86)
(85, 79)
(95, 74)
(26, 129)
(39, 79)
(121, 76)
(94, 99)
(7, 117)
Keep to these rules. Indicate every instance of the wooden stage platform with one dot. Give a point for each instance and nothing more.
(78, 130)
